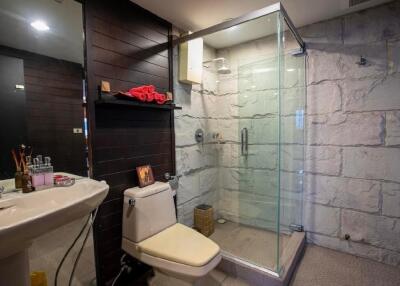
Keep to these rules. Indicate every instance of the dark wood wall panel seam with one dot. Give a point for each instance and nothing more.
(109, 57)
(135, 39)
(123, 47)
(148, 33)
(104, 61)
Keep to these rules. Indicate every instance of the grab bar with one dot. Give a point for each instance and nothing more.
(244, 133)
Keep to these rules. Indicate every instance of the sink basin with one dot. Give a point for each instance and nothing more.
(5, 204)
(27, 216)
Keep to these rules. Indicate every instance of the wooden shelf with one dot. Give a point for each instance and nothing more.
(136, 104)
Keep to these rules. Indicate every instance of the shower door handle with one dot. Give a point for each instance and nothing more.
(244, 133)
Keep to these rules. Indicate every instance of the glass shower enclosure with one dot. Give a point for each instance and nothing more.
(258, 65)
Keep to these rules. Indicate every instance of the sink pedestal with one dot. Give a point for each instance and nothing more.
(14, 269)
(24, 217)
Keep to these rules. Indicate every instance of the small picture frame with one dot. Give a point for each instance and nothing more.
(145, 175)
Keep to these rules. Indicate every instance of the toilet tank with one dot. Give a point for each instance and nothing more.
(152, 212)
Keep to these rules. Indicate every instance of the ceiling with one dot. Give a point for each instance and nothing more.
(247, 31)
(193, 15)
(64, 40)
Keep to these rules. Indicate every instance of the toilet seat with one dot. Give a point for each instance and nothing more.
(178, 249)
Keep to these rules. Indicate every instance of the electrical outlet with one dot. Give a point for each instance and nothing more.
(77, 130)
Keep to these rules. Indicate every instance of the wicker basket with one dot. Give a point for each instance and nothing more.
(204, 219)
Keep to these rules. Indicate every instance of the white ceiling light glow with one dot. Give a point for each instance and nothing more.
(40, 25)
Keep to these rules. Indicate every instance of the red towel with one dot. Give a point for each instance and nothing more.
(150, 96)
(138, 94)
(147, 93)
(160, 98)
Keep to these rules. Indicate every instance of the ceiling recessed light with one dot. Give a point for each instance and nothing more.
(40, 25)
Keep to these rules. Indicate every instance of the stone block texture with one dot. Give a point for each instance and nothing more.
(352, 162)
(345, 170)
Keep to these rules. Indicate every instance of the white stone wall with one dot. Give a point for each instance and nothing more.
(248, 186)
(352, 151)
(197, 163)
(353, 155)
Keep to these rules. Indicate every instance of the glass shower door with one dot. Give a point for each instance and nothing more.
(258, 103)
(258, 149)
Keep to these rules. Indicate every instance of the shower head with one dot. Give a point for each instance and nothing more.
(221, 64)
(224, 69)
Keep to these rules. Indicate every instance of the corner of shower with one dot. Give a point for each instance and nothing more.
(257, 64)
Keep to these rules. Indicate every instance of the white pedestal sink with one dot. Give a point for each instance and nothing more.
(24, 217)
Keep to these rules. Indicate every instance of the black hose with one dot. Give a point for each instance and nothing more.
(83, 245)
(69, 250)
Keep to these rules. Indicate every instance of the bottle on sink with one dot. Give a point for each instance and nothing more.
(37, 172)
(48, 172)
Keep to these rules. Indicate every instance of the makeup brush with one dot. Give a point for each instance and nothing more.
(17, 163)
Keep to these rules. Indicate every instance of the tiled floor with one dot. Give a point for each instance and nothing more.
(324, 267)
(252, 244)
(46, 253)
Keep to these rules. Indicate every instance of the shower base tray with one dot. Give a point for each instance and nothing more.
(259, 276)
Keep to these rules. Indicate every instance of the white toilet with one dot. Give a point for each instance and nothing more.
(150, 233)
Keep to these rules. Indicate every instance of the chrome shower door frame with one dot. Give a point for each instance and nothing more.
(277, 7)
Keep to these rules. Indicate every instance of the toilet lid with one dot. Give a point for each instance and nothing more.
(180, 244)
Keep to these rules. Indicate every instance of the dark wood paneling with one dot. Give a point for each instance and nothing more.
(127, 46)
(53, 108)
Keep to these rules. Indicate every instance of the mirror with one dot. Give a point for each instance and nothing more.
(42, 83)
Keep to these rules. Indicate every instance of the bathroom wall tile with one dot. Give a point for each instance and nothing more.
(346, 129)
(229, 178)
(321, 219)
(195, 157)
(229, 129)
(228, 86)
(260, 157)
(371, 94)
(185, 129)
(377, 60)
(326, 32)
(324, 64)
(257, 103)
(394, 55)
(292, 185)
(356, 194)
(323, 160)
(323, 98)
(293, 99)
(292, 130)
(291, 157)
(359, 29)
(187, 211)
(208, 180)
(226, 153)
(262, 130)
(391, 199)
(372, 163)
(392, 128)
(376, 230)
(189, 188)
(264, 182)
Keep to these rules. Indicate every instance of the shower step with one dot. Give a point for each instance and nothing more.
(258, 276)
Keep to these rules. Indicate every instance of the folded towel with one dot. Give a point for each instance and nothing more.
(150, 96)
(160, 98)
(146, 93)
